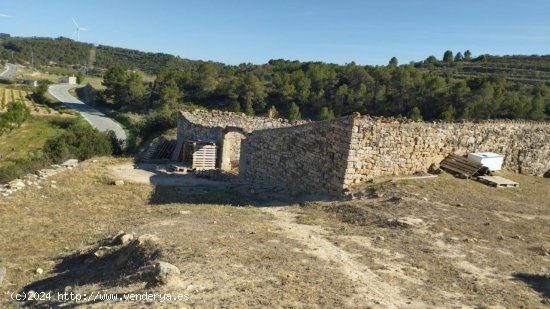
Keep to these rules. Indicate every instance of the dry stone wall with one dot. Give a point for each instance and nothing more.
(309, 158)
(210, 125)
(226, 129)
(331, 156)
(383, 149)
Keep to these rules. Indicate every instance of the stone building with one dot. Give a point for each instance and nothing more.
(225, 130)
(333, 155)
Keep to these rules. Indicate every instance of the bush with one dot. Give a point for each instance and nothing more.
(81, 142)
(157, 121)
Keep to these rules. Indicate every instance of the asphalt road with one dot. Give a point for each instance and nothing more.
(96, 118)
(9, 73)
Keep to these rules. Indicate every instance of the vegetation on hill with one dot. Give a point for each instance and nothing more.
(457, 87)
(319, 91)
(44, 140)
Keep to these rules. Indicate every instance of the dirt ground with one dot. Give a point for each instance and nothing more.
(442, 243)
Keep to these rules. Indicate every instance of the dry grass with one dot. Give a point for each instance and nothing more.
(249, 257)
(230, 256)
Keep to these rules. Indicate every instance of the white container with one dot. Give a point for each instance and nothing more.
(493, 161)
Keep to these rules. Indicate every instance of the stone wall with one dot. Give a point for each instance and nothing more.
(309, 158)
(223, 128)
(210, 125)
(331, 156)
(384, 149)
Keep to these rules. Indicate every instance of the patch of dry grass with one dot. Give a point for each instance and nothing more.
(229, 256)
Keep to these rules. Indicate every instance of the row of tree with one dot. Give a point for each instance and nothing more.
(321, 91)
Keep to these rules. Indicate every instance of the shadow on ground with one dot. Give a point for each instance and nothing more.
(539, 283)
(111, 268)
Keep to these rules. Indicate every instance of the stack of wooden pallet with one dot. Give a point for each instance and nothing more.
(462, 167)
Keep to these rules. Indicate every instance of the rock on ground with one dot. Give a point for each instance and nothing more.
(2, 274)
(164, 273)
(70, 163)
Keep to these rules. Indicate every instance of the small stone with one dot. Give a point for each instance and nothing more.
(39, 271)
(165, 273)
(380, 238)
(459, 205)
(119, 182)
(54, 186)
(122, 238)
(70, 163)
(2, 274)
(500, 237)
(425, 199)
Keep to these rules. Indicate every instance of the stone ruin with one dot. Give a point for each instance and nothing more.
(331, 156)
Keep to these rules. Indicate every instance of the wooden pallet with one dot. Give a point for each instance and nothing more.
(497, 181)
(461, 166)
(200, 155)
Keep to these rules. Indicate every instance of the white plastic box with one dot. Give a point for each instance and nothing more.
(493, 161)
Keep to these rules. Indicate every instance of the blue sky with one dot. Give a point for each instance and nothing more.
(233, 32)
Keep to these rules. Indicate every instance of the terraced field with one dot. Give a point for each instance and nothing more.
(11, 94)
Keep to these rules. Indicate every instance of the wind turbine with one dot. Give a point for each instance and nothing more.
(78, 29)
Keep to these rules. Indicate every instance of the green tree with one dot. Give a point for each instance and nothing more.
(449, 114)
(537, 108)
(248, 107)
(415, 114)
(448, 56)
(294, 112)
(170, 94)
(235, 107)
(79, 77)
(393, 62)
(115, 82)
(467, 55)
(136, 88)
(325, 113)
(459, 57)
(207, 79)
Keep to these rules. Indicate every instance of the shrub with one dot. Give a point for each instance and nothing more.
(81, 142)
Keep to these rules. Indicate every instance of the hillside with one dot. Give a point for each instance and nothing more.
(451, 89)
(412, 244)
(67, 53)
(516, 68)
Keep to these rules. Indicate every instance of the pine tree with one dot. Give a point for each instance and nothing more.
(537, 108)
(449, 114)
(448, 56)
(294, 112)
(325, 113)
(235, 107)
(467, 55)
(415, 114)
(249, 108)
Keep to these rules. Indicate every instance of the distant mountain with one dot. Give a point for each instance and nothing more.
(64, 52)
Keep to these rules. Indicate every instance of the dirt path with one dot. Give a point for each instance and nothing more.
(371, 290)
